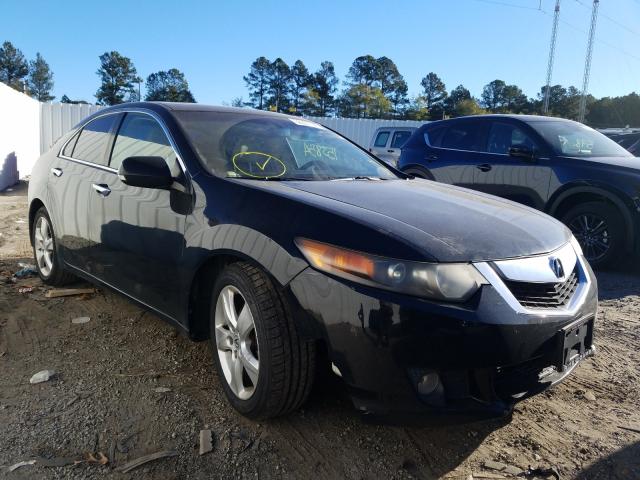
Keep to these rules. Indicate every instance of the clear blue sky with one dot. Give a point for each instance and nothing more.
(464, 41)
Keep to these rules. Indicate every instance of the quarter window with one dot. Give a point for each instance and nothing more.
(399, 139)
(381, 139)
(68, 149)
(141, 136)
(92, 142)
(463, 136)
(503, 136)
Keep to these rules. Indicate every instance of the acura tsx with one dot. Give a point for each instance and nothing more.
(282, 243)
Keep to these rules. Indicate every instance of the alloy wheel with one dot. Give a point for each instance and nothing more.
(592, 232)
(43, 243)
(236, 342)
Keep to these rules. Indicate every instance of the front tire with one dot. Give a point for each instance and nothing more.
(265, 368)
(48, 262)
(599, 228)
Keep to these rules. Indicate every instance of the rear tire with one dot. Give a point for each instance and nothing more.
(276, 367)
(600, 230)
(48, 262)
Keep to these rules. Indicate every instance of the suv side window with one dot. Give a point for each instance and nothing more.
(464, 136)
(433, 136)
(400, 138)
(141, 136)
(381, 139)
(503, 136)
(94, 137)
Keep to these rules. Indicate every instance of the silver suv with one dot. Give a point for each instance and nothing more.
(387, 142)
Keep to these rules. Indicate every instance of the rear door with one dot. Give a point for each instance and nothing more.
(381, 139)
(454, 149)
(398, 139)
(81, 163)
(522, 180)
(140, 231)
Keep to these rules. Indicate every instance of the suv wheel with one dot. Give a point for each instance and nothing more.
(265, 368)
(49, 265)
(599, 228)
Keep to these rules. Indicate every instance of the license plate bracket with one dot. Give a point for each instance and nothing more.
(575, 342)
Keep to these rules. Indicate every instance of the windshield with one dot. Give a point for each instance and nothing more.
(577, 140)
(258, 146)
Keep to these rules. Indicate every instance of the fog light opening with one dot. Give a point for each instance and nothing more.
(428, 383)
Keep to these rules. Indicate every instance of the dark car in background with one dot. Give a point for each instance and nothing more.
(558, 166)
(282, 243)
(627, 140)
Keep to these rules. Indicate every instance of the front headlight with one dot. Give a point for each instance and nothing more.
(454, 282)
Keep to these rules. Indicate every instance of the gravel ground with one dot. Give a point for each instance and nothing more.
(127, 385)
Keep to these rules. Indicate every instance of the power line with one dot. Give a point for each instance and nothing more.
(613, 20)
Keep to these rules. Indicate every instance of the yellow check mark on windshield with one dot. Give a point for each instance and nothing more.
(262, 167)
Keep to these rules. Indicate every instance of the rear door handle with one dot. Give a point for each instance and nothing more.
(391, 151)
(484, 167)
(431, 157)
(102, 189)
(57, 172)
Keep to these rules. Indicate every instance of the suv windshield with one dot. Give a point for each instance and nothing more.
(577, 140)
(270, 147)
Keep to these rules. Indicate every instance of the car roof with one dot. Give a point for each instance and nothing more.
(194, 107)
(510, 116)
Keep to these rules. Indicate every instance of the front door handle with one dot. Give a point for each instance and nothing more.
(391, 151)
(484, 167)
(102, 189)
(57, 172)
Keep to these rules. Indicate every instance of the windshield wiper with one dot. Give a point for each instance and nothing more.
(358, 177)
(276, 179)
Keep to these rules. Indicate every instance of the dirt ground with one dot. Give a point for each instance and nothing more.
(107, 396)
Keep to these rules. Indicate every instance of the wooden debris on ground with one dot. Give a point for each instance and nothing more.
(127, 467)
(68, 292)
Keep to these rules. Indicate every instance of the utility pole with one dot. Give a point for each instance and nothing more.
(587, 63)
(552, 51)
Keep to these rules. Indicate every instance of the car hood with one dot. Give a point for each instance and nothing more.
(448, 224)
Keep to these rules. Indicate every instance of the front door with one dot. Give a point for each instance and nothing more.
(140, 231)
(523, 180)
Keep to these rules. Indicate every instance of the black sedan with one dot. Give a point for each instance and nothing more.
(283, 243)
(558, 166)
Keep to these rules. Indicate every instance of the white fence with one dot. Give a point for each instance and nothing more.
(360, 130)
(56, 119)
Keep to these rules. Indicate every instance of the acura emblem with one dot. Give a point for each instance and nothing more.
(556, 266)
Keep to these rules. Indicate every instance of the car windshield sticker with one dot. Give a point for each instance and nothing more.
(305, 151)
(258, 165)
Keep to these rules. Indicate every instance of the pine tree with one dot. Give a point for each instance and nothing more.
(13, 66)
(40, 80)
(118, 76)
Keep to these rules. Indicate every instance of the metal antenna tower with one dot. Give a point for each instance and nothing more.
(587, 63)
(552, 51)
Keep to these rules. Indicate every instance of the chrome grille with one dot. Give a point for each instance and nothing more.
(544, 295)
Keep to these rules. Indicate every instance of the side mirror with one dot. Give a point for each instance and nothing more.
(523, 152)
(147, 172)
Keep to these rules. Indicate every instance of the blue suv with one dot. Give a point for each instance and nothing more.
(558, 166)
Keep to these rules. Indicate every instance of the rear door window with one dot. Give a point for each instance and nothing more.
(140, 135)
(464, 136)
(381, 139)
(92, 142)
(68, 149)
(433, 136)
(400, 138)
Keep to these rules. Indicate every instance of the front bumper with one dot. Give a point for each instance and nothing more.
(486, 354)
